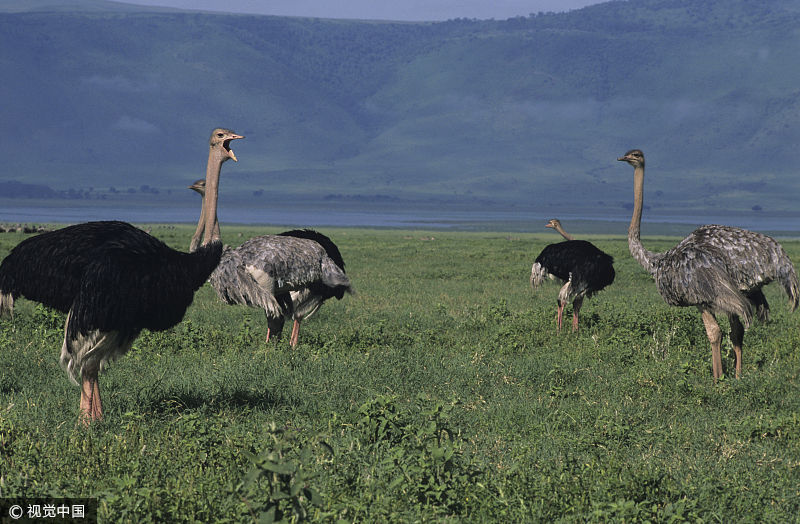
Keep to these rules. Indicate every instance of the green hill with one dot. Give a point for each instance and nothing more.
(529, 112)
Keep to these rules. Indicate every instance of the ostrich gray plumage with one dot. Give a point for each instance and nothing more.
(306, 301)
(718, 269)
(264, 270)
(274, 264)
(286, 276)
(723, 268)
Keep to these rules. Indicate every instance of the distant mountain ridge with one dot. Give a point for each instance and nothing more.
(528, 112)
(78, 6)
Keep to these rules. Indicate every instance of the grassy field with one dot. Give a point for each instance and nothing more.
(440, 392)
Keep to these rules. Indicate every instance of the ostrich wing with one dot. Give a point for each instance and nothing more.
(130, 286)
(48, 268)
(752, 260)
(583, 260)
(327, 244)
(289, 263)
(688, 275)
(236, 285)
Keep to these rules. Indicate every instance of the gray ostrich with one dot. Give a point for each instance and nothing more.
(718, 269)
(288, 275)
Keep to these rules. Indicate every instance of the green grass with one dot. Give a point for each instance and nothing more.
(441, 391)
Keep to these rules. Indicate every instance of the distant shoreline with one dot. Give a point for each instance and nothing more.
(398, 218)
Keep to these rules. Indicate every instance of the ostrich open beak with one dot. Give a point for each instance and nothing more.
(227, 146)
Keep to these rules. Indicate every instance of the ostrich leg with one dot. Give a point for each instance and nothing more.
(274, 328)
(91, 406)
(715, 337)
(576, 307)
(737, 335)
(563, 298)
(295, 333)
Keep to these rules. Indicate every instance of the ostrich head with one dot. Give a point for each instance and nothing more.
(199, 186)
(634, 157)
(555, 223)
(221, 139)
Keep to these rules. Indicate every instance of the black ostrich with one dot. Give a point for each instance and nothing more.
(584, 268)
(717, 269)
(287, 275)
(113, 280)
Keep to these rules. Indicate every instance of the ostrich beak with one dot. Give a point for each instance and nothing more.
(231, 154)
(622, 159)
(198, 185)
(549, 224)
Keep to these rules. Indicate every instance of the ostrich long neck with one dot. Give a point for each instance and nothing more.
(198, 234)
(208, 214)
(563, 233)
(642, 255)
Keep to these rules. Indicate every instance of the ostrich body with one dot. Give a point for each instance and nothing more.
(718, 269)
(264, 270)
(286, 275)
(582, 267)
(306, 301)
(113, 280)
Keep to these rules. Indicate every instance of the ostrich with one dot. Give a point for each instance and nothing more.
(584, 268)
(306, 301)
(718, 269)
(287, 275)
(113, 280)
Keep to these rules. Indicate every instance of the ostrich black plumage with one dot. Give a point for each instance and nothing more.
(718, 269)
(584, 268)
(287, 275)
(113, 280)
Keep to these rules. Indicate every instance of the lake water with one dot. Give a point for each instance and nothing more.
(441, 219)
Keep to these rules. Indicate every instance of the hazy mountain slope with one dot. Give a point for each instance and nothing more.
(531, 111)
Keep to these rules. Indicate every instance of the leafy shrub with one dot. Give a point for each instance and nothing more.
(7, 437)
(278, 485)
(783, 427)
(47, 318)
(415, 452)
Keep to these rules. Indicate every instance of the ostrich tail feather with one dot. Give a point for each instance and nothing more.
(90, 353)
(538, 275)
(334, 277)
(567, 292)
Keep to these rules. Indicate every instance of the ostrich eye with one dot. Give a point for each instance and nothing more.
(220, 135)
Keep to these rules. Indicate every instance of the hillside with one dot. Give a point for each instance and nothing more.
(528, 112)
